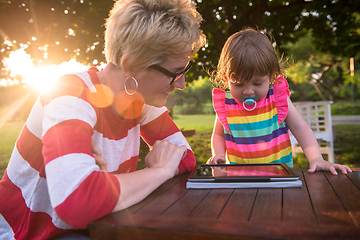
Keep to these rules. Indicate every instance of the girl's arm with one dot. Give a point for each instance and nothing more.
(306, 138)
(218, 147)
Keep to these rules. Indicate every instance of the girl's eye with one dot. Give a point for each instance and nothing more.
(258, 84)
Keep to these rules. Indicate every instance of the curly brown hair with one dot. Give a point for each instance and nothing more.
(246, 54)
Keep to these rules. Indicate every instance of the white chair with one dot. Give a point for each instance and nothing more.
(318, 116)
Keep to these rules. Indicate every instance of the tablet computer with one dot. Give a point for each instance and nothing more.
(243, 173)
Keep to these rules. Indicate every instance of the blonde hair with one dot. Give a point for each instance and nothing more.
(246, 54)
(140, 33)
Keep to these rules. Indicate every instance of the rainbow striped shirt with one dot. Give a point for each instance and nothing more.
(258, 136)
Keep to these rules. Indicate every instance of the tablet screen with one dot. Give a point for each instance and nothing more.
(238, 170)
(242, 171)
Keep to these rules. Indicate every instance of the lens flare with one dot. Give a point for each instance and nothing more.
(129, 106)
(261, 145)
(102, 97)
(41, 78)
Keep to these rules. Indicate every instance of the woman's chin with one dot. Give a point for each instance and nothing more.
(159, 101)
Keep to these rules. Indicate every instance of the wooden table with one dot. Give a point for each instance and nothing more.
(325, 207)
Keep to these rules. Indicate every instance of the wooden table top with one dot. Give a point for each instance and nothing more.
(325, 207)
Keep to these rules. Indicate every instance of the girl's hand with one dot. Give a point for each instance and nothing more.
(321, 164)
(216, 160)
(167, 156)
(99, 160)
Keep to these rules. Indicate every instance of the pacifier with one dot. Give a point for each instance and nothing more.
(248, 102)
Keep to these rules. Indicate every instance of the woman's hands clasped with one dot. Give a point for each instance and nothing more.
(99, 160)
(164, 155)
(167, 156)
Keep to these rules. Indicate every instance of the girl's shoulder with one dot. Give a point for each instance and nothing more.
(281, 93)
(219, 97)
(281, 84)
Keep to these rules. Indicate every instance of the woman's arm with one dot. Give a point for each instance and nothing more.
(156, 124)
(162, 162)
(307, 140)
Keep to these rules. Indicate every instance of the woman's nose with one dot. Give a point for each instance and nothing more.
(180, 83)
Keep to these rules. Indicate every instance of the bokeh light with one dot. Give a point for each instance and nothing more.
(103, 97)
(129, 106)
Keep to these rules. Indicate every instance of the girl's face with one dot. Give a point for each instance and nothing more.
(155, 85)
(257, 88)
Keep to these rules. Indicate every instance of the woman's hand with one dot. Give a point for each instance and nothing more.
(99, 160)
(162, 164)
(165, 155)
(321, 164)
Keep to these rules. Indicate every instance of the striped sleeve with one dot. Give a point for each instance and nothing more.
(75, 182)
(156, 124)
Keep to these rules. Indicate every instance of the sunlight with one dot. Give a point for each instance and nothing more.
(43, 78)
(6, 114)
(20, 64)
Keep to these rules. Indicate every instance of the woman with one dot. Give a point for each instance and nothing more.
(92, 122)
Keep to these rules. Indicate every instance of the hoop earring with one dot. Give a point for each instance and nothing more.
(136, 86)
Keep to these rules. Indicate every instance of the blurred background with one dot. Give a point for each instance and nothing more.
(318, 41)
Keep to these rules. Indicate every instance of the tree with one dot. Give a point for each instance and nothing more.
(328, 74)
(54, 30)
(192, 98)
(334, 23)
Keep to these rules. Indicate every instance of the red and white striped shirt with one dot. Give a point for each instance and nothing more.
(52, 183)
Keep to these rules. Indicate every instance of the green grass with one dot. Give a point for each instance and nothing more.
(346, 144)
(9, 132)
(347, 140)
(199, 122)
(201, 141)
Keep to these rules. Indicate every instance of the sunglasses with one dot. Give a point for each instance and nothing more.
(175, 76)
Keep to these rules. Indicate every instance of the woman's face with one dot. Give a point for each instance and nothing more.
(257, 88)
(155, 85)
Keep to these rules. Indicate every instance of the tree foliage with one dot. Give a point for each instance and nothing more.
(334, 24)
(54, 31)
(328, 74)
(192, 99)
(58, 30)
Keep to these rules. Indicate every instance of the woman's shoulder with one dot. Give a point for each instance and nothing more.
(150, 113)
(83, 85)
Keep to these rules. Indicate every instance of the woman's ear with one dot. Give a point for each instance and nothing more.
(129, 70)
(125, 67)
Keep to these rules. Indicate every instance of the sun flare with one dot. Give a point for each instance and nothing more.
(19, 63)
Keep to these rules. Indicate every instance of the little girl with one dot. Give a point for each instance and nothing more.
(253, 118)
